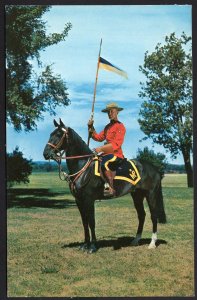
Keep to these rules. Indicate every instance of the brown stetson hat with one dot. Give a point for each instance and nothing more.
(110, 106)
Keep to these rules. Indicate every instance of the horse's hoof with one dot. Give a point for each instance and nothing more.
(152, 246)
(92, 249)
(84, 247)
(135, 242)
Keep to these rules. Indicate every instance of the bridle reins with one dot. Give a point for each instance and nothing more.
(59, 158)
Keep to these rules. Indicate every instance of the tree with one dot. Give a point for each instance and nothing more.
(18, 167)
(28, 94)
(156, 159)
(166, 114)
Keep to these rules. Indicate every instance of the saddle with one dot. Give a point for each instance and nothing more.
(126, 171)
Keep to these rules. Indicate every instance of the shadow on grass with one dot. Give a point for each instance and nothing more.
(30, 198)
(118, 243)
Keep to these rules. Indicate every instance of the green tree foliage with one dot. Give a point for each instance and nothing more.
(156, 159)
(166, 114)
(18, 167)
(28, 94)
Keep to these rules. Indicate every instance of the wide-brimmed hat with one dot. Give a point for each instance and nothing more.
(110, 106)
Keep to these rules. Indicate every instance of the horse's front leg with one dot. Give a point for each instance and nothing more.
(90, 210)
(84, 218)
(93, 247)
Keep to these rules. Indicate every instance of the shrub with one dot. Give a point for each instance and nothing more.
(18, 168)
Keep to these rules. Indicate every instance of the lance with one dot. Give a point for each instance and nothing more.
(94, 97)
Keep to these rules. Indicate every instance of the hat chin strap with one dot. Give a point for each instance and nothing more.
(112, 121)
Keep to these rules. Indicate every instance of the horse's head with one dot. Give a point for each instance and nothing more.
(57, 142)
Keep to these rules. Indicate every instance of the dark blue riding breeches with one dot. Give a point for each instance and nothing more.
(110, 162)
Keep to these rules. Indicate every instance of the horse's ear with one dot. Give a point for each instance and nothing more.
(61, 123)
(55, 123)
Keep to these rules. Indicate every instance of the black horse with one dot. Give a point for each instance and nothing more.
(86, 187)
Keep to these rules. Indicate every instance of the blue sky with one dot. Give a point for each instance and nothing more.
(127, 31)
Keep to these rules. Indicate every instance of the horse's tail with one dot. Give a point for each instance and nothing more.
(160, 206)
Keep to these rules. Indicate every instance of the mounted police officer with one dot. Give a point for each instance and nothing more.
(114, 134)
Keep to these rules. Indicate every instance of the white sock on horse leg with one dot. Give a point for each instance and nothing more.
(154, 236)
(152, 244)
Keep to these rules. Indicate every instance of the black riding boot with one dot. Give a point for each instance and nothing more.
(109, 187)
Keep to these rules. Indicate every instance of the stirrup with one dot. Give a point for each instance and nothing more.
(109, 191)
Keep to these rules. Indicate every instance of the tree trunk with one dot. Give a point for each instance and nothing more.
(188, 168)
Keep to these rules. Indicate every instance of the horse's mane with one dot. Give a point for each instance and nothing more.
(77, 140)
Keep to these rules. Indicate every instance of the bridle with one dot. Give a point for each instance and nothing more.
(59, 157)
(59, 144)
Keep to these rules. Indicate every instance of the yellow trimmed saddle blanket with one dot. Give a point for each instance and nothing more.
(127, 171)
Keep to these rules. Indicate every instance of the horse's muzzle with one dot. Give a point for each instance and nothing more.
(48, 153)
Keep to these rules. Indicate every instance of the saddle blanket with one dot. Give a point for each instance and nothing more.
(127, 171)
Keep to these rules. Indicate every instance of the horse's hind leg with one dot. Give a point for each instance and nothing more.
(138, 197)
(151, 199)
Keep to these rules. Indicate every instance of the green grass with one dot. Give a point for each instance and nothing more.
(45, 231)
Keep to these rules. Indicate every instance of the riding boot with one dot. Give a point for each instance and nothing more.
(109, 187)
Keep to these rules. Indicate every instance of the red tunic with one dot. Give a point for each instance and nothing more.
(113, 133)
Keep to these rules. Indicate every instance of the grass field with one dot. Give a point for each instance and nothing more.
(45, 231)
